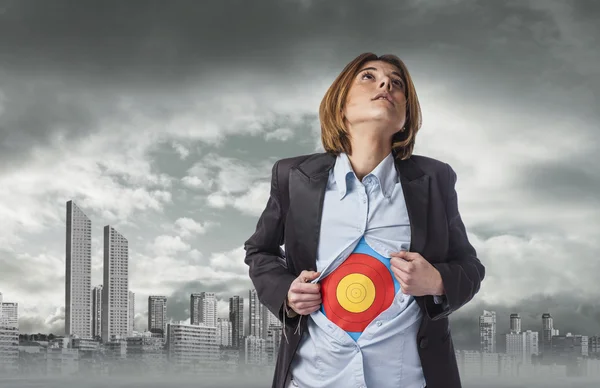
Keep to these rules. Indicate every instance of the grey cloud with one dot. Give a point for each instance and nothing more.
(37, 324)
(36, 110)
(562, 181)
(67, 63)
(153, 43)
(31, 280)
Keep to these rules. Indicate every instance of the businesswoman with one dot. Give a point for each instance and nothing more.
(376, 256)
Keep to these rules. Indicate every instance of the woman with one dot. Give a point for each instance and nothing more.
(376, 254)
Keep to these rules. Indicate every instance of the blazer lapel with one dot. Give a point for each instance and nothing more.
(308, 182)
(415, 187)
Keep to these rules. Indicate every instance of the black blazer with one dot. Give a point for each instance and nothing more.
(293, 217)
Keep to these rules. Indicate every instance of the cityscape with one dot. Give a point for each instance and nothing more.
(101, 339)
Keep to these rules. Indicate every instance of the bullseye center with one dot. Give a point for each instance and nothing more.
(355, 292)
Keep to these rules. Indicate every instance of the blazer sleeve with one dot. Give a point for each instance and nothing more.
(265, 257)
(463, 272)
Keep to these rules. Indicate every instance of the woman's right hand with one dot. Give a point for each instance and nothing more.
(305, 297)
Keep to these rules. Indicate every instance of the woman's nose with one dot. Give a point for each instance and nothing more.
(385, 82)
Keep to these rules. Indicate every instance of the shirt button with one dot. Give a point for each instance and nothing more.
(378, 323)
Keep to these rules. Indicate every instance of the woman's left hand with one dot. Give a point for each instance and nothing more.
(416, 275)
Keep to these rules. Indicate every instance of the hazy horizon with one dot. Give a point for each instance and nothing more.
(185, 381)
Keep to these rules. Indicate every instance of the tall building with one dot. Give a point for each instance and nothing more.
(115, 290)
(236, 317)
(255, 351)
(9, 313)
(515, 323)
(256, 316)
(203, 309)
(9, 337)
(97, 311)
(547, 332)
(224, 332)
(532, 343)
(78, 277)
(260, 318)
(487, 331)
(272, 342)
(157, 314)
(522, 345)
(131, 314)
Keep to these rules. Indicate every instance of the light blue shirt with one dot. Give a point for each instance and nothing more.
(368, 217)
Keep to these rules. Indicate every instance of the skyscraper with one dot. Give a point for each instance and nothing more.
(115, 290)
(131, 314)
(522, 344)
(547, 332)
(255, 316)
(157, 314)
(9, 313)
(9, 337)
(78, 276)
(236, 316)
(487, 331)
(259, 316)
(97, 311)
(203, 309)
(515, 323)
(224, 332)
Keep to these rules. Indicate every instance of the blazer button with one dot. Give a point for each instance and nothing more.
(423, 343)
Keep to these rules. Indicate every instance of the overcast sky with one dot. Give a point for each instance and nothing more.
(164, 121)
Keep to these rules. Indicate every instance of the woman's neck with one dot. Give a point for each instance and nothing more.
(367, 155)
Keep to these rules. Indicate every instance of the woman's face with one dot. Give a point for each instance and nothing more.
(362, 106)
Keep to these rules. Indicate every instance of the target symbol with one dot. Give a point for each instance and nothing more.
(357, 292)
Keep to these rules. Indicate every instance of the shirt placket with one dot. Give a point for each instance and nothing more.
(363, 203)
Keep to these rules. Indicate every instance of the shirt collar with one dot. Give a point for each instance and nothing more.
(385, 174)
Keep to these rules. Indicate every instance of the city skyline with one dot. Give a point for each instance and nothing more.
(252, 309)
(208, 350)
(173, 147)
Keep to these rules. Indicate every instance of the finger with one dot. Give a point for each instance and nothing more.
(307, 309)
(308, 275)
(398, 274)
(406, 255)
(411, 256)
(305, 288)
(307, 305)
(297, 298)
(306, 297)
(404, 266)
(403, 278)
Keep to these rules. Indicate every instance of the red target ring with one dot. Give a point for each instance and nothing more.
(337, 285)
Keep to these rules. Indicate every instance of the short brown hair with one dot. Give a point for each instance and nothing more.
(334, 134)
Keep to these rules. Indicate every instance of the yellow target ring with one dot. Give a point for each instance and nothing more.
(355, 292)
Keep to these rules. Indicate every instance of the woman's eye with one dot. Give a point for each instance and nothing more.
(396, 81)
